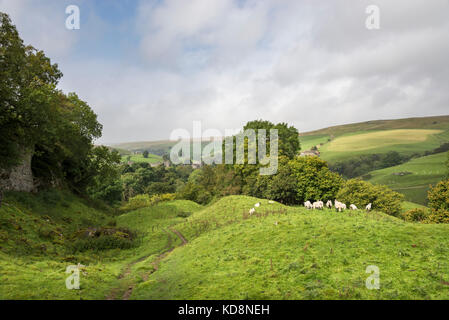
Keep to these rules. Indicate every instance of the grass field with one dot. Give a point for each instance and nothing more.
(436, 122)
(220, 252)
(35, 246)
(152, 158)
(424, 171)
(291, 253)
(404, 141)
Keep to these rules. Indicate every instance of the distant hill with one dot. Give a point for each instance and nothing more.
(406, 136)
(435, 122)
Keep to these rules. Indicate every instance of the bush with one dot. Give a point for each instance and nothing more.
(361, 193)
(103, 239)
(439, 202)
(415, 215)
(144, 200)
(314, 180)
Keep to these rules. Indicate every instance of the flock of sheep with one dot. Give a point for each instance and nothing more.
(339, 206)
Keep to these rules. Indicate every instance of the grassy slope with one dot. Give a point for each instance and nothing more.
(278, 253)
(404, 141)
(152, 158)
(34, 230)
(425, 171)
(371, 137)
(292, 253)
(437, 122)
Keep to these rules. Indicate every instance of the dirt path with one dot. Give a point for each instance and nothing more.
(127, 271)
(180, 236)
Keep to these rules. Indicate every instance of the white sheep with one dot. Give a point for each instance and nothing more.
(329, 204)
(257, 205)
(353, 207)
(339, 206)
(368, 207)
(251, 211)
(318, 205)
(270, 201)
(308, 204)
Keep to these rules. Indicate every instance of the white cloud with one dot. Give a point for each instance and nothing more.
(228, 62)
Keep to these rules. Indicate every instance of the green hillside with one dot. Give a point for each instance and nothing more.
(418, 174)
(152, 158)
(186, 251)
(291, 253)
(406, 136)
(436, 122)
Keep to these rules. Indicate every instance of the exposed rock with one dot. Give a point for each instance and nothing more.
(19, 178)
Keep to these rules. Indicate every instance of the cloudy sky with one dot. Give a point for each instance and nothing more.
(149, 67)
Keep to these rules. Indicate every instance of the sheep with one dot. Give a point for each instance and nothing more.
(251, 211)
(339, 206)
(353, 207)
(368, 207)
(257, 205)
(308, 204)
(329, 204)
(270, 201)
(318, 205)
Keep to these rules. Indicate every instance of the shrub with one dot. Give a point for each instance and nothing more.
(144, 200)
(361, 193)
(314, 180)
(439, 202)
(415, 215)
(103, 239)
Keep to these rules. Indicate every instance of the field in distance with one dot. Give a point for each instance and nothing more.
(406, 136)
(413, 177)
(152, 158)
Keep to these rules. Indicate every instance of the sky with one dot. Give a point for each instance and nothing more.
(149, 67)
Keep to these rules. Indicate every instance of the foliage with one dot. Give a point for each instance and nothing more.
(144, 200)
(314, 180)
(360, 165)
(415, 215)
(361, 193)
(439, 202)
(103, 239)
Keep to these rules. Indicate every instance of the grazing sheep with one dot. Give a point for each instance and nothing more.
(251, 211)
(270, 201)
(353, 207)
(318, 205)
(339, 206)
(329, 204)
(308, 205)
(368, 207)
(257, 205)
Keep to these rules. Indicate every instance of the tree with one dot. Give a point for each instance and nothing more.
(314, 180)
(27, 93)
(145, 154)
(360, 193)
(282, 187)
(438, 197)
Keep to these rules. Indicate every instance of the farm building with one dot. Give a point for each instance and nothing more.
(310, 153)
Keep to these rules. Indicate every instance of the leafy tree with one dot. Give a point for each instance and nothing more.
(361, 193)
(145, 154)
(314, 180)
(282, 187)
(439, 202)
(27, 89)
